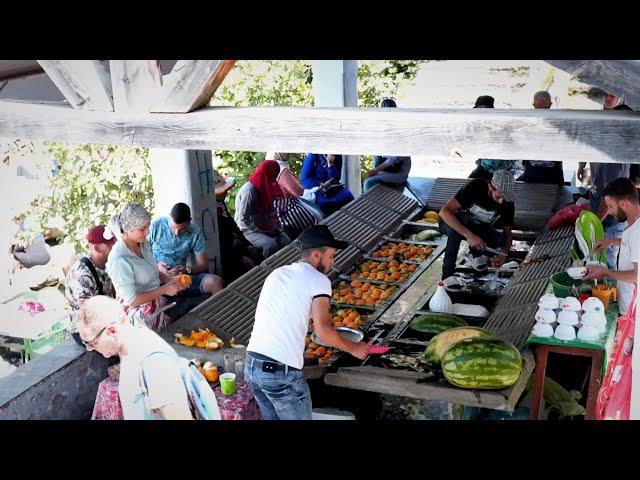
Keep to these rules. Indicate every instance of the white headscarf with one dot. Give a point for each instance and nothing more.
(131, 216)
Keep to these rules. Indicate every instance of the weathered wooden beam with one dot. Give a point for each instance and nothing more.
(84, 83)
(136, 84)
(618, 77)
(191, 84)
(591, 136)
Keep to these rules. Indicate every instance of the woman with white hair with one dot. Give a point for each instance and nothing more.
(133, 270)
(103, 327)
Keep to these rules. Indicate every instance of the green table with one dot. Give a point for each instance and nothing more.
(599, 351)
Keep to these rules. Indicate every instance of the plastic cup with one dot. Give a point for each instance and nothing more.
(228, 384)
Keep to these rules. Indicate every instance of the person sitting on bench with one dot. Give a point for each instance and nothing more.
(474, 213)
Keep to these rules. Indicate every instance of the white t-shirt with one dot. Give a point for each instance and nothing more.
(629, 254)
(162, 374)
(284, 310)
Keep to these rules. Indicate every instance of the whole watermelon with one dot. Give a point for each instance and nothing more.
(444, 340)
(482, 363)
(436, 322)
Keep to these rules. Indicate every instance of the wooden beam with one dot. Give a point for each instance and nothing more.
(136, 84)
(591, 136)
(191, 84)
(618, 77)
(84, 83)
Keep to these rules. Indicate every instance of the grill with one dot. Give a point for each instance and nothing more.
(391, 199)
(556, 234)
(285, 256)
(250, 284)
(543, 270)
(374, 214)
(553, 248)
(513, 325)
(230, 311)
(347, 227)
(345, 259)
(515, 296)
(534, 202)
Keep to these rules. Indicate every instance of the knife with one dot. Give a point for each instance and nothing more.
(496, 251)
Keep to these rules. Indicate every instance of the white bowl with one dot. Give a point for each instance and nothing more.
(542, 330)
(593, 319)
(593, 304)
(577, 272)
(565, 332)
(588, 334)
(571, 303)
(545, 316)
(568, 317)
(549, 301)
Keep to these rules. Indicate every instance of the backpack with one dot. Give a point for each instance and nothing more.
(202, 400)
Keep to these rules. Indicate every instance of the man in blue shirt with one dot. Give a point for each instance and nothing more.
(173, 239)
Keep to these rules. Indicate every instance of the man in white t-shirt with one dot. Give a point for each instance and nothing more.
(103, 327)
(621, 198)
(275, 354)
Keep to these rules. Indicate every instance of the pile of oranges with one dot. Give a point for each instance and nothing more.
(362, 293)
(403, 251)
(322, 353)
(392, 271)
(202, 339)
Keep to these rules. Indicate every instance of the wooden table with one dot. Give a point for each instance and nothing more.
(595, 377)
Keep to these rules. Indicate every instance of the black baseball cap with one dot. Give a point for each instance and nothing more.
(319, 236)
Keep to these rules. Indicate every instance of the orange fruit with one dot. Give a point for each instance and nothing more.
(184, 280)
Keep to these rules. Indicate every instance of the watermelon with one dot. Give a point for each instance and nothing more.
(482, 363)
(441, 342)
(436, 322)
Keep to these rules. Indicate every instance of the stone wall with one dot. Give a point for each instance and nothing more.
(60, 385)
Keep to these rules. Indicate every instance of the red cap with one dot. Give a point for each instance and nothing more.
(96, 236)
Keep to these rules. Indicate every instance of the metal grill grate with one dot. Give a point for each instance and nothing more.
(534, 202)
(554, 248)
(515, 296)
(230, 311)
(391, 199)
(543, 270)
(348, 228)
(345, 259)
(285, 256)
(513, 325)
(250, 284)
(556, 234)
(374, 214)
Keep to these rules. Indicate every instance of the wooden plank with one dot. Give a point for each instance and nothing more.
(11, 69)
(618, 77)
(191, 84)
(594, 136)
(135, 83)
(84, 83)
(397, 382)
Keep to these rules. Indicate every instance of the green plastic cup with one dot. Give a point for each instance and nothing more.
(228, 384)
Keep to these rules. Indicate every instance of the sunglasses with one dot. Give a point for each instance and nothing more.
(91, 343)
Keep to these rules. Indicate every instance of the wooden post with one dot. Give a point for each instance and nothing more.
(335, 84)
(187, 176)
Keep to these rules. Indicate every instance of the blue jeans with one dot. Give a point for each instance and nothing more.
(281, 395)
(490, 235)
(614, 231)
(195, 288)
(371, 182)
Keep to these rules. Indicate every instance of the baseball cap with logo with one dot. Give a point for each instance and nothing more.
(504, 182)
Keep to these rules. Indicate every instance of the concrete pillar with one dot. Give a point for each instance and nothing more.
(335, 84)
(187, 176)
